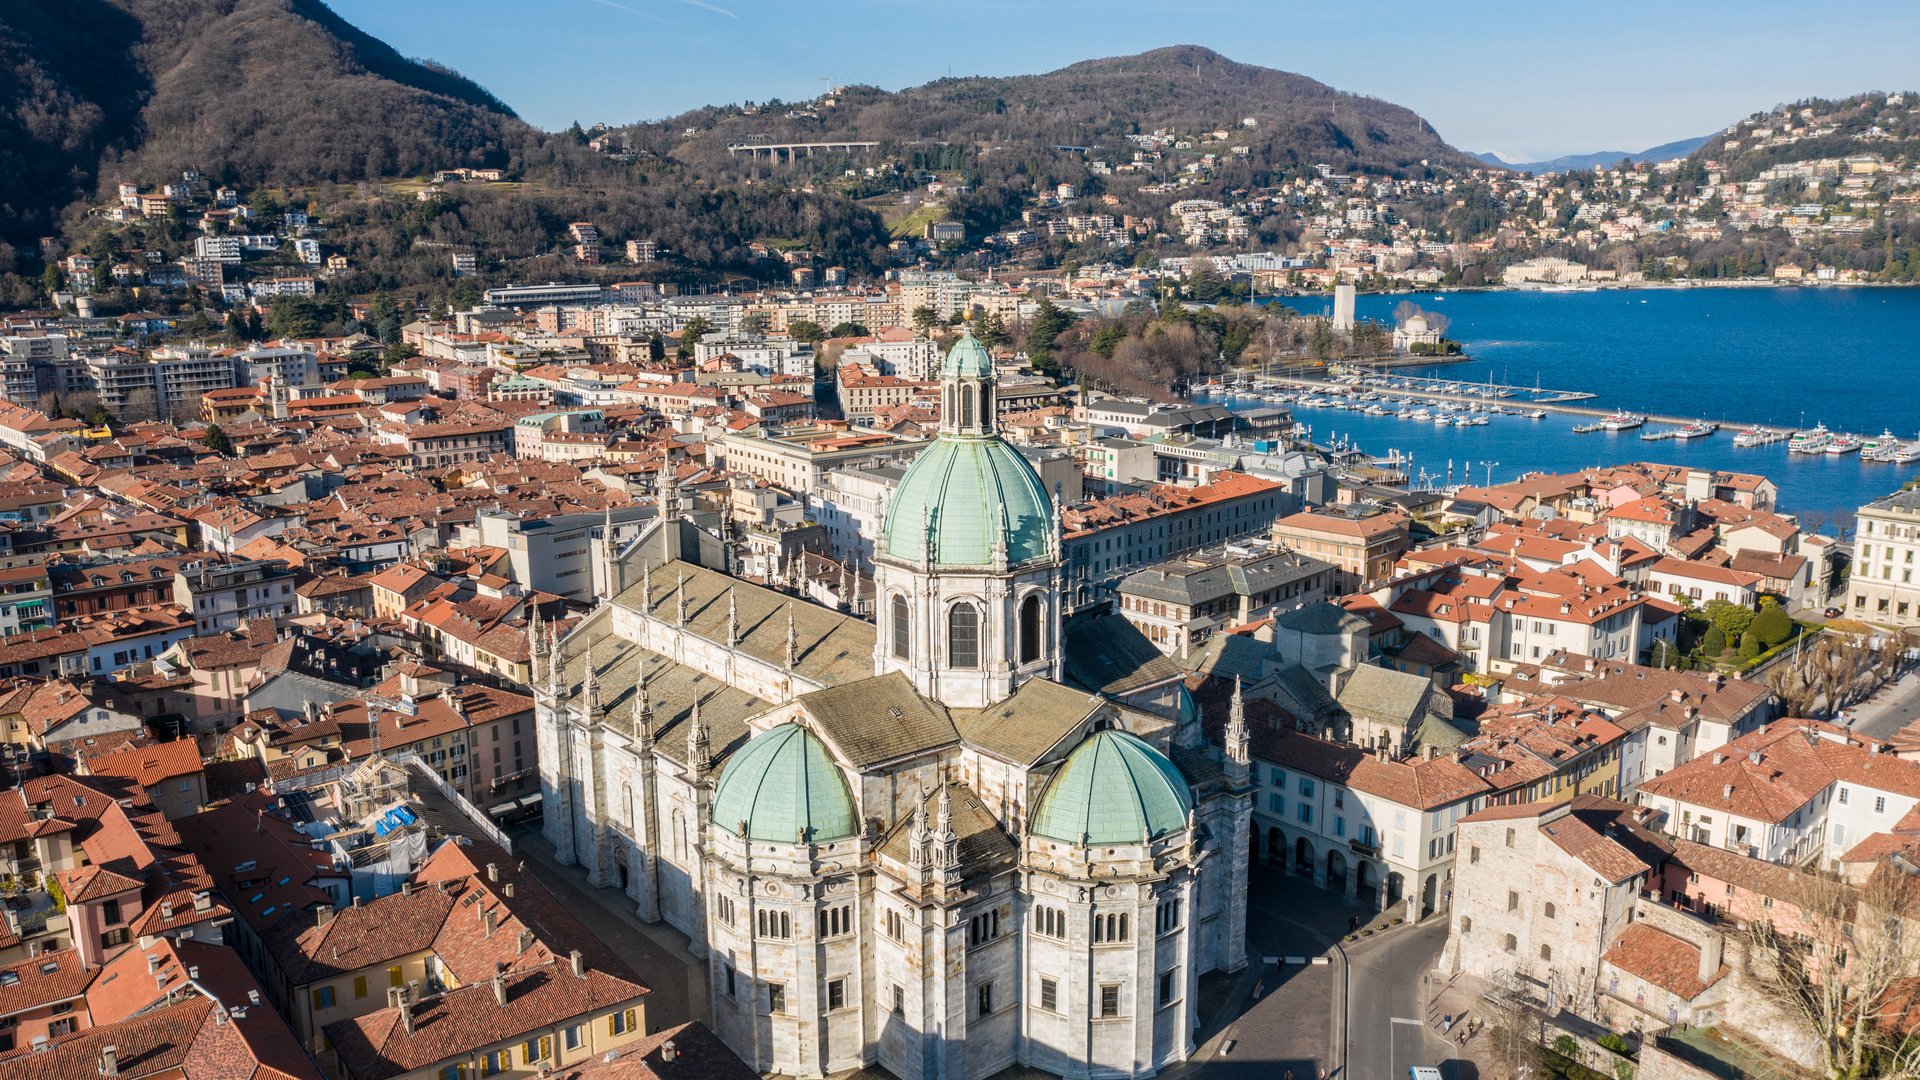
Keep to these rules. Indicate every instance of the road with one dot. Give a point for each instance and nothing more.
(1388, 1031)
(1299, 1022)
(1893, 708)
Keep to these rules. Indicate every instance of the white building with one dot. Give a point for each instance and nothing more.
(1015, 872)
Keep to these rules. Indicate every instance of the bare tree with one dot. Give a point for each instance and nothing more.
(1796, 687)
(1835, 975)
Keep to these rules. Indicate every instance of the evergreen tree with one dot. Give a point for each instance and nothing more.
(1714, 642)
(1772, 626)
(217, 441)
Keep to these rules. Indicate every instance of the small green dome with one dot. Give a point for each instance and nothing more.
(961, 483)
(1113, 789)
(781, 782)
(967, 359)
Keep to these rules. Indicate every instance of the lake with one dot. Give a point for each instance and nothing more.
(1789, 356)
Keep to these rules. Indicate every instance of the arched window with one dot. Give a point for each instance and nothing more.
(902, 627)
(963, 636)
(1030, 628)
(966, 406)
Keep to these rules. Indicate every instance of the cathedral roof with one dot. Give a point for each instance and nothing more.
(1113, 789)
(953, 496)
(786, 788)
(1109, 655)
(833, 648)
(967, 359)
(984, 847)
(879, 719)
(1021, 729)
(672, 689)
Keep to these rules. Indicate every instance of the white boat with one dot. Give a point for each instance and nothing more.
(1843, 444)
(1811, 441)
(1899, 453)
(1621, 421)
(1699, 429)
(1754, 436)
(1537, 414)
(1420, 414)
(1886, 438)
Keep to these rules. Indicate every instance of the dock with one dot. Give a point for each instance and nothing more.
(1556, 401)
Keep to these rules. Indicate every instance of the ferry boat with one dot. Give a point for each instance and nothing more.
(1754, 436)
(1697, 430)
(1843, 444)
(1898, 453)
(1886, 438)
(1537, 414)
(1621, 421)
(1810, 442)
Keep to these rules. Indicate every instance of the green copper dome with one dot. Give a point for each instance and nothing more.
(959, 484)
(1113, 789)
(967, 359)
(781, 782)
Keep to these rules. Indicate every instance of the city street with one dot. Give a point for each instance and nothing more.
(1389, 1031)
(1297, 1021)
(1893, 708)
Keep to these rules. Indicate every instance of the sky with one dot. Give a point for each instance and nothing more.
(1528, 81)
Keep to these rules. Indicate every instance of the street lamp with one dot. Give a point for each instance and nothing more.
(1491, 465)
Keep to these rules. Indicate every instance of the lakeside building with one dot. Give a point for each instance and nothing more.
(1886, 536)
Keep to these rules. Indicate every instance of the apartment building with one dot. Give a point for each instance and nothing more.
(1362, 544)
(1886, 536)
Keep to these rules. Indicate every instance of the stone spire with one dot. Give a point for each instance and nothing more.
(1239, 745)
(611, 564)
(536, 644)
(590, 692)
(947, 854)
(1000, 538)
(680, 601)
(667, 495)
(642, 708)
(793, 641)
(733, 619)
(556, 664)
(919, 836)
(646, 586)
(926, 538)
(699, 754)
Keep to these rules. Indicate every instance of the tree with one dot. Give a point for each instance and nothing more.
(53, 279)
(1732, 619)
(217, 441)
(690, 334)
(924, 320)
(398, 353)
(1049, 322)
(1772, 625)
(754, 323)
(806, 330)
(991, 330)
(1835, 977)
(294, 317)
(1714, 642)
(1750, 647)
(656, 347)
(847, 329)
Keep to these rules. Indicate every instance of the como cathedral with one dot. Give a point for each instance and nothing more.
(972, 835)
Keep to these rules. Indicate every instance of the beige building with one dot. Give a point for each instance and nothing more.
(1886, 535)
(1362, 547)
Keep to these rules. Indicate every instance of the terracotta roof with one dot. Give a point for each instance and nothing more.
(687, 1052)
(1660, 958)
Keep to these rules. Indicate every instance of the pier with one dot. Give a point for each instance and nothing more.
(1552, 401)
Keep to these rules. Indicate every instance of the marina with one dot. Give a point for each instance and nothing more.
(1756, 366)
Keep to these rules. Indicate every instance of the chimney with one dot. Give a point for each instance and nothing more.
(193, 971)
(406, 888)
(1432, 752)
(493, 872)
(323, 916)
(491, 920)
(109, 1060)
(166, 911)
(500, 990)
(526, 940)
(1710, 951)
(508, 890)
(1753, 757)
(1726, 791)
(579, 964)
(1719, 758)
(153, 963)
(668, 1051)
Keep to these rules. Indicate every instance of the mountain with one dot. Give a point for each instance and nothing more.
(248, 92)
(1679, 148)
(1094, 104)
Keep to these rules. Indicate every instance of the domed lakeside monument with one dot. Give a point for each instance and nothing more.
(970, 836)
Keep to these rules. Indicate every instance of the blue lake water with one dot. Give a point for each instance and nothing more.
(1787, 356)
